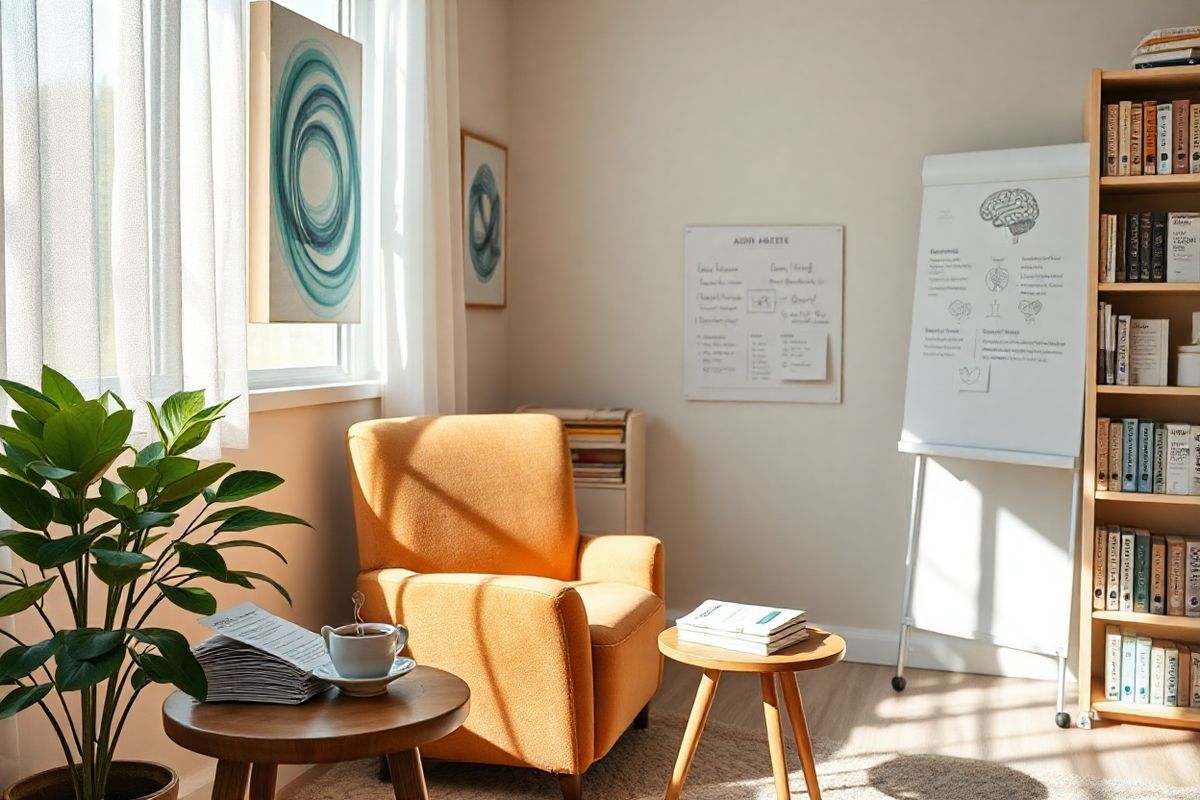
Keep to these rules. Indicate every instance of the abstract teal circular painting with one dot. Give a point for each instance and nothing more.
(485, 175)
(316, 179)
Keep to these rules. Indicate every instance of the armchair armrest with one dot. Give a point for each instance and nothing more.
(623, 558)
(523, 646)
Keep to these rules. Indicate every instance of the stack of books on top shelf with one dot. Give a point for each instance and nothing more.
(589, 424)
(1135, 570)
(1140, 455)
(1167, 47)
(1145, 671)
(1130, 352)
(1151, 138)
(1150, 247)
(758, 630)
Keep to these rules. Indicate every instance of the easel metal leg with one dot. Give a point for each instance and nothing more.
(910, 559)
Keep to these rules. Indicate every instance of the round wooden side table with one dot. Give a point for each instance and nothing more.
(419, 708)
(820, 649)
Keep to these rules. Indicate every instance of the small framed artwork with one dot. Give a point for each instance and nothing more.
(485, 217)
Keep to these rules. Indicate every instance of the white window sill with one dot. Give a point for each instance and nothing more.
(275, 399)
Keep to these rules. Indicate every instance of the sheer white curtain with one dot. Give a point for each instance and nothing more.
(123, 171)
(413, 198)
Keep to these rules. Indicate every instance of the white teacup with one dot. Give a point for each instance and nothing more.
(369, 655)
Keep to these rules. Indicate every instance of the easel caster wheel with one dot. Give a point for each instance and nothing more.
(898, 683)
(1062, 719)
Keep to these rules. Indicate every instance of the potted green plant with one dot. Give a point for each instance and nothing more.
(118, 530)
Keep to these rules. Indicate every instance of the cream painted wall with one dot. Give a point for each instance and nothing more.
(306, 446)
(484, 90)
(633, 119)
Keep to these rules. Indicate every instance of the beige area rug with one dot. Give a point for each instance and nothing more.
(733, 764)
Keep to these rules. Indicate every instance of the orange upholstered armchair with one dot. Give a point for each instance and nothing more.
(467, 534)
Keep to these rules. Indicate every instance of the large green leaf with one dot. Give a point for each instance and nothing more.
(20, 660)
(173, 468)
(196, 431)
(21, 698)
(25, 504)
(72, 674)
(137, 478)
(224, 514)
(50, 471)
(249, 543)
(25, 544)
(253, 518)
(179, 408)
(258, 576)
(115, 492)
(151, 519)
(72, 436)
(118, 567)
(186, 673)
(246, 483)
(95, 466)
(28, 423)
(203, 558)
(30, 399)
(88, 644)
(18, 600)
(57, 552)
(59, 388)
(150, 454)
(22, 441)
(190, 598)
(191, 485)
(115, 431)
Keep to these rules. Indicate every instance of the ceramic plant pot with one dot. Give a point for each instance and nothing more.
(128, 780)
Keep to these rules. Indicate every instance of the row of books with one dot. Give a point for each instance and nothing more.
(759, 630)
(1147, 137)
(1130, 352)
(1140, 455)
(1146, 671)
(1167, 47)
(598, 466)
(1150, 247)
(1135, 570)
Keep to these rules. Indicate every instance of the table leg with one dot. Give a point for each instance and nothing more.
(691, 736)
(795, 709)
(775, 735)
(408, 779)
(231, 779)
(262, 781)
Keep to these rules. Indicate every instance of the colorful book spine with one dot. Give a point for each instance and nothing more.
(1126, 583)
(1149, 137)
(1158, 575)
(1160, 458)
(1112, 662)
(1179, 458)
(1129, 443)
(1194, 138)
(1133, 247)
(1112, 578)
(1111, 136)
(1194, 694)
(1128, 664)
(1135, 139)
(1122, 354)
(1102, 437)
(1141, 680)
(1124, 120)
(1141, 571)
(1158, 672)
(1192, 578)
(1163, 136)
(1183, 245)
(1116, 433)
(1145, 456)
(1176, 575)
(1180, 135)
(1156, 225)
(1184, 697)
(1195, 485)
(1099, 566)
(1170, 675)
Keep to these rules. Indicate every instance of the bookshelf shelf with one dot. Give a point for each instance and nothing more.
(578, 445)
(1143, 497)
(1149, 288)
(1151, 391)
(1160, 193)
(1143, 184)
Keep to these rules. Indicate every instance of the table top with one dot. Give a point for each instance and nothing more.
(820, 649)
(419, 708)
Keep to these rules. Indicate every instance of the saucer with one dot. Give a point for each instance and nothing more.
(365, 687)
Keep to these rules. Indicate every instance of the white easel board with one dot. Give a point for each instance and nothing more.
(996, 358)
(763, 313)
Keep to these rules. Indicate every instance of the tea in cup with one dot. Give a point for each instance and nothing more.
(364, 650)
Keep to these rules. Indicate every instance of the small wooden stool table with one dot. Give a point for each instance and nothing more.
(419, 708)
(820, 649)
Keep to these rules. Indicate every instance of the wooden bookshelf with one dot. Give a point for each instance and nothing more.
(1157, 512)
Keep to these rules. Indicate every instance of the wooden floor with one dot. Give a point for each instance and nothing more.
(1006, 720)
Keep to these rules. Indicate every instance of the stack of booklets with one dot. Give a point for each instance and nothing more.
(258, 657)
(1151, 137)
(1168, 47)
(1141, 455)
(1150, 247)
(598, 466)
(1130, 352)
(1137, 571)
(1146, 671)
(759, 630)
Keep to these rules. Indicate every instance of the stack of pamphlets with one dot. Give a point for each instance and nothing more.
(759, 630)
(1168, 47)
(258, 657)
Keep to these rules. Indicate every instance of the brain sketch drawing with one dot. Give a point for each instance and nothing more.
(1030, 308)
(1015, 209)
(996, 279)
(960, 310)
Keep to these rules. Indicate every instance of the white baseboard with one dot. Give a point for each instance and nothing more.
(934, 651)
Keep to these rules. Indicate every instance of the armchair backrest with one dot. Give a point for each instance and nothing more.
(468, 493)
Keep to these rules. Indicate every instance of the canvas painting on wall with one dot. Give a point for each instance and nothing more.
(305, 202)
(485, 211)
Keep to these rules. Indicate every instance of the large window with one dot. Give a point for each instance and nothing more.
(305, 354)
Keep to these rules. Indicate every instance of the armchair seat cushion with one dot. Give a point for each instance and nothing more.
(624, 622)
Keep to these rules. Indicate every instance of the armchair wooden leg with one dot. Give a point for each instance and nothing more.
(572, 786)
(642, 721)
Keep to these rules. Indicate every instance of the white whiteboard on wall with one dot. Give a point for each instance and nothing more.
(996, 357)
(763, 313)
